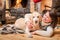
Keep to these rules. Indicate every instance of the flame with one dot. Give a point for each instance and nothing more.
(18, 3)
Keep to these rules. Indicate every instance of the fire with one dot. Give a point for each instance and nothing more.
(18, 3)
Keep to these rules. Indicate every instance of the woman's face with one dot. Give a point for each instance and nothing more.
(46, 17)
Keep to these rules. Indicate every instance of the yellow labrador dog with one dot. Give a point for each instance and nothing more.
(29, 23)
(32, 22)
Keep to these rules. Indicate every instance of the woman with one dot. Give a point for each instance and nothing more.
(49, 21)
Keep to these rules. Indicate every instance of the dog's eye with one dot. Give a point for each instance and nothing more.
(33, 17)
(37, 16)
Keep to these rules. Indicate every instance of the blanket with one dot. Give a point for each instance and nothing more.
(10, 29)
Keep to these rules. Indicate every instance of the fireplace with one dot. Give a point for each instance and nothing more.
(22, 3)
(12, 3)
(19, 8)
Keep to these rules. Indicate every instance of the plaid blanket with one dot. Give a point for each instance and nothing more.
(10, 29)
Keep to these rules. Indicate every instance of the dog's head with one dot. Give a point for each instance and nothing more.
(36, 17)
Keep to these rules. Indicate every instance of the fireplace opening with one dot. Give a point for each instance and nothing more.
(24, 3)
(13, 3)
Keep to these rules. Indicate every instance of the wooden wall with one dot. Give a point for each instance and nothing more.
(1, 4)
(31, 6)
(46, 2)
(43, 3)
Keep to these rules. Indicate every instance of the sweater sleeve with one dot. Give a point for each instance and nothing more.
(46, 33)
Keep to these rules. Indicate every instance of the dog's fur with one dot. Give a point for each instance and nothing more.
(20, 23)
(34, 18)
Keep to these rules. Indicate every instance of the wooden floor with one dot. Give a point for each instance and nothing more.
(56, 36)
(35, 37)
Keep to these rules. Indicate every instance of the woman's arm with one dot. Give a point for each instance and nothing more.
(47, 33)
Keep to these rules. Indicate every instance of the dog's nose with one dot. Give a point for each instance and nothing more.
(35, 21)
